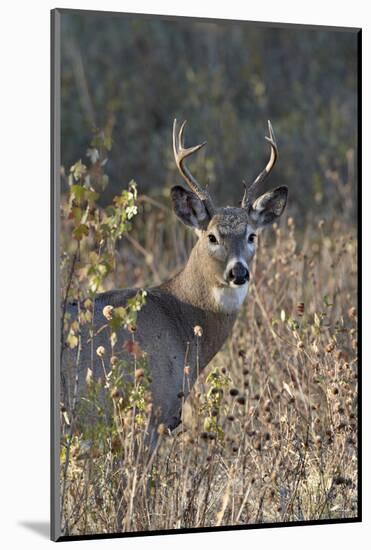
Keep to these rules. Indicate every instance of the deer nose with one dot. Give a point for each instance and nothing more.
(239, 274)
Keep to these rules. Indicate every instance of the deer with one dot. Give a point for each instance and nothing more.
(207, 293)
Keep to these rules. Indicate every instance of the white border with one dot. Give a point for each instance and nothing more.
(25, 264)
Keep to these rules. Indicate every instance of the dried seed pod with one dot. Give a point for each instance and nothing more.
(116, 443)
(330, 347)
(300, 309)
(115, 393)
(108, 312)
(341, 480)
(100, 351)
(139, 374)
(188, 439)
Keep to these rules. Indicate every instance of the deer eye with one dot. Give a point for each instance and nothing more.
(251, 238)
(212, 239)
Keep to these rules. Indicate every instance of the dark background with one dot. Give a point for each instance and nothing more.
(131, 76)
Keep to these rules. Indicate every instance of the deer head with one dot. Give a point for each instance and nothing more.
(226, 236)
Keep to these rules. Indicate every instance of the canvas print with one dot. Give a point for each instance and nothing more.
(205, 192)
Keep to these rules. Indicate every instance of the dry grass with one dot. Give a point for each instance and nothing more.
(279, 441)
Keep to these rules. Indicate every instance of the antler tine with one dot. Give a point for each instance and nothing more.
(249, 193)
(274, 149)
(180, 154)
(181, 134)
(244, 198)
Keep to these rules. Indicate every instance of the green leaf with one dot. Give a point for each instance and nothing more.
(76, 214)
(91, 196)
(80, 231)
(78, 193)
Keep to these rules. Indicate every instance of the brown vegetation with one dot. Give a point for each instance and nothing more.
(269, 433)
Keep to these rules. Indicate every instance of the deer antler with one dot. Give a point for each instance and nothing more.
(248, 196)
(180, 154)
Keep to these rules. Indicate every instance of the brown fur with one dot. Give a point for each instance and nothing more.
(165, 325)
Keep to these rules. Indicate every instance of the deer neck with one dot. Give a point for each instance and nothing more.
(202, 302)
(192, 285)
(197, 285)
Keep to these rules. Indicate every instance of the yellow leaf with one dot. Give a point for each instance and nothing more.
(72, 340)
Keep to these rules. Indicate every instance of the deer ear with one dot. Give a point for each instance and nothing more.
(189, 208)
(269, 207)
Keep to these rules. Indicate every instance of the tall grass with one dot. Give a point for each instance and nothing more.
(269, 432)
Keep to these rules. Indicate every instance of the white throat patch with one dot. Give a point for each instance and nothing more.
(230, 299)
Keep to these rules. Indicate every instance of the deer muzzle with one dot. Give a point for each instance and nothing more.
(238, 274)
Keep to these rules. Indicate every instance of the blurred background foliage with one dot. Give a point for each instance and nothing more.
(131, 75)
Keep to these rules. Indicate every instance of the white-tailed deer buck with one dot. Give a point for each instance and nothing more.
(208, 292)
